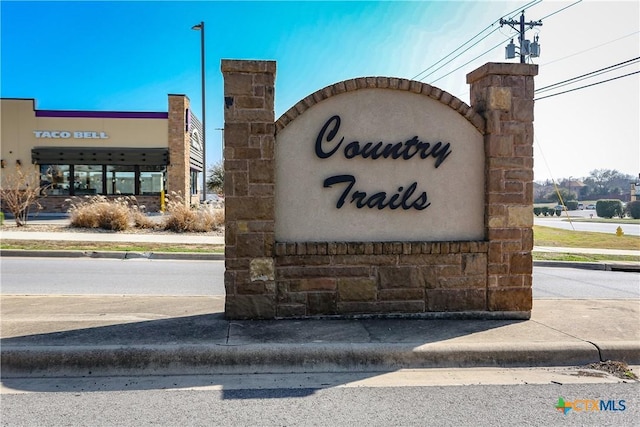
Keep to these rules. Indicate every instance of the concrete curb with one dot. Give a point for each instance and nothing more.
(198, 256)
(194, 256)
(571, 264)
(296, 358)
(602, 266)
(626, 351)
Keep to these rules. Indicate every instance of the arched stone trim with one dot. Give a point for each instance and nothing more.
(382, 83)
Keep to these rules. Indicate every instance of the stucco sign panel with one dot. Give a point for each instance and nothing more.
(379, 165)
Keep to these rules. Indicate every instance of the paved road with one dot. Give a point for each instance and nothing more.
(206, 401)
(556, 282)
(88, 276)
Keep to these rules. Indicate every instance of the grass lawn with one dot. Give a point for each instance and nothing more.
(549, 236)
(558, 256)
(543, 236)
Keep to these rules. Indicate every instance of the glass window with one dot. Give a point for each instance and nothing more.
(121, 179)
(83, 180)
(151, 179)
(87, 179)
(56, 177)
(194, 181)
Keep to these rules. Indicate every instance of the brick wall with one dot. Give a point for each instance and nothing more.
(249, 184)
(503, 94)
(179, 146)
(378, 278)
(268, 279)
(61, 204)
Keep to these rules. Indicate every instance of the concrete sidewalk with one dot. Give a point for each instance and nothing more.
(112, 335)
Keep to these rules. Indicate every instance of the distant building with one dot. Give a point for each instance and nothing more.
(573, 185)
(111, 153)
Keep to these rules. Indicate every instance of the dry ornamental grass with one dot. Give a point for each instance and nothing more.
(124, 213)
(100, 212)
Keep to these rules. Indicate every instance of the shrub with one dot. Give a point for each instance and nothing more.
(572, 205)
(140, 218)
(544, 211)
(114, 218)
(100, 212)
(20, 192)
(609, 208)
(122, 213)
(537, 211)
(182, 218)
(633, 209)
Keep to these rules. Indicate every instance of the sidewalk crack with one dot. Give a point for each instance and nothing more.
(557, 330)
(598, 348)
(572, 336)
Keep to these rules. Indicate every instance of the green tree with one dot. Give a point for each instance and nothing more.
(585, 192)
(215, 178)
(605, 181)
(564, 193)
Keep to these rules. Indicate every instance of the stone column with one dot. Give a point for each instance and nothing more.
(179, 145)
(249, 184)
(503, 95)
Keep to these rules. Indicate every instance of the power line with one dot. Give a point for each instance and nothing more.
(447, 63)
(452, 52)
(479, 56)
(471, 60)
(582, 87)
(588, 75)
(582, 77)
(447, 74)
(526, 6)
(559, 84)
(560, 10)
(591, 48)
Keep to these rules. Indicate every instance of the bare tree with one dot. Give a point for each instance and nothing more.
(20, 191)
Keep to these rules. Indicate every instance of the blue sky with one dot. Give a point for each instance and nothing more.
(124, 55)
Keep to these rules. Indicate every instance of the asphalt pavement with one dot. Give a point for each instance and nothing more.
(110, 335)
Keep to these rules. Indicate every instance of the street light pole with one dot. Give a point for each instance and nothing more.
(221, 140)
(200, 27)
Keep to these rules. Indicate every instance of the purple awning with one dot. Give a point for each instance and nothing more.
(103, 114)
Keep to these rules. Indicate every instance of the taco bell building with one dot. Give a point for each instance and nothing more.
(111, 153)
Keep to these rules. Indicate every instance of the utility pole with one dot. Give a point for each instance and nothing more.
(200, 27)
(526, 48)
